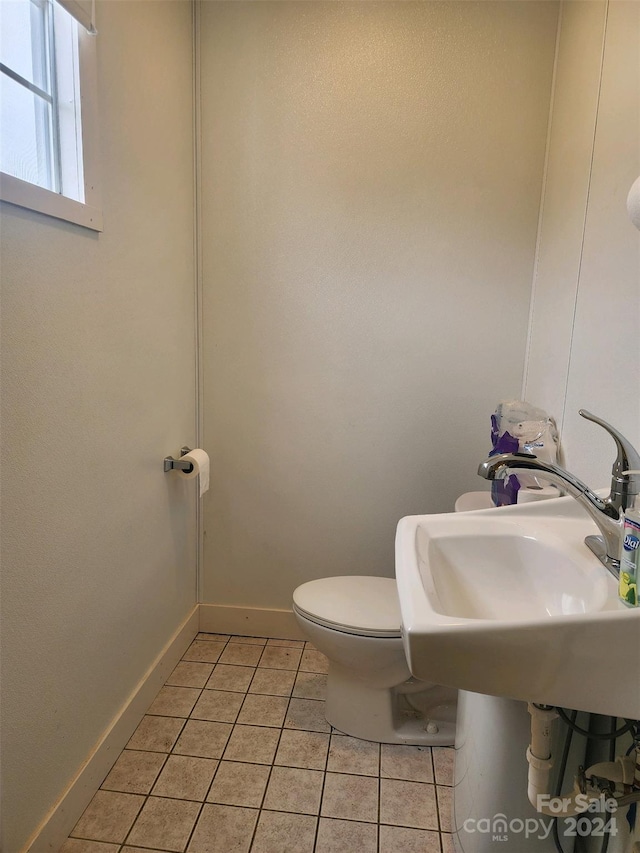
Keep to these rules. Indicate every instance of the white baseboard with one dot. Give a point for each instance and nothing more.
(250, 622)
(54, 830)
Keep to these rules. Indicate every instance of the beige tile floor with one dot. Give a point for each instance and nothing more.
(235, 755)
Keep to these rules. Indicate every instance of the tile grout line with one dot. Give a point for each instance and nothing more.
(202, 689)
(435, 793)
(215, 772)
(435, 786)
(281, 727)
(379, 796)
(266, 787)
(322, 787)
(171, 752)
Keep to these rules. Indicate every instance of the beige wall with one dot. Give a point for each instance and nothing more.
(370, 190)
(585, 347)
(98, 559)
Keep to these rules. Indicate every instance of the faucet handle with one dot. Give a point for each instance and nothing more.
(628, 460)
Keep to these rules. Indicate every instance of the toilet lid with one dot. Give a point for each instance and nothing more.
(366, 606)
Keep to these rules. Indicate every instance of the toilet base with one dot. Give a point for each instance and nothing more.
(405, 714)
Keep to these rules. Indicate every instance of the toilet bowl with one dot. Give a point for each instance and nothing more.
(355, 622)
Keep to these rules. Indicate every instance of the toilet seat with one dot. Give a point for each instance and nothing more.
(363, 606)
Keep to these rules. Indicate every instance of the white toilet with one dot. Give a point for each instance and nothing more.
(355, 622)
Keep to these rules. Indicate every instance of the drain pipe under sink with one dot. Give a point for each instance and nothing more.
(540, 758)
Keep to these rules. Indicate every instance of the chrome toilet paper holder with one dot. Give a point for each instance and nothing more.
(170, 463)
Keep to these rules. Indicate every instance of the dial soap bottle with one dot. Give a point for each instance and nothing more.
(630, 558)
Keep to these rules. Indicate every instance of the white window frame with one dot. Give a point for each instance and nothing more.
(88, 213)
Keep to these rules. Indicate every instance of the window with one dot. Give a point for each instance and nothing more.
(47, 109)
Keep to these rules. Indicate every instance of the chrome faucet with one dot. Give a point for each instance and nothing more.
(607, 513)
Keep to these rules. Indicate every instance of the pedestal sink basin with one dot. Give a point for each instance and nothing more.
(511, 602)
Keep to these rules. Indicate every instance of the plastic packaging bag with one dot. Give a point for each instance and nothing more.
(517, 426)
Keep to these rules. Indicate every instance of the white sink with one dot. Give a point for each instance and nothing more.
(512, 603)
